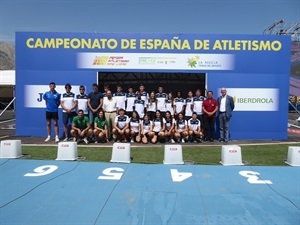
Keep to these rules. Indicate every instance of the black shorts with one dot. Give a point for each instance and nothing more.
(51, 115)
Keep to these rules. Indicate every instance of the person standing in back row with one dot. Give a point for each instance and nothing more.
(95, 101)
(52, 100)
(69, 105)
(82, 100)
(120, 96)
(161, 98)
(130, 98)
(226, 106)
(197, 105)
(209, 107)
(110, 108)
(144, 94)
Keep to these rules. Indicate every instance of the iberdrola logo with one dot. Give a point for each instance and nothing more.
(234, 98)
(192, 62)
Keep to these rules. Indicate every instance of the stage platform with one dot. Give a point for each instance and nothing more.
(40, 192)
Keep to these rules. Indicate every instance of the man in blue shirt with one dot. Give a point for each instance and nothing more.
(52, 100)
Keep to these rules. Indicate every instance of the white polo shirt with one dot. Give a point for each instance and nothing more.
(121, 99)
(110, 105)
(121, 121)
(68, 99)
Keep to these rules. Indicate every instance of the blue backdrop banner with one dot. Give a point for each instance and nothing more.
(254, 68)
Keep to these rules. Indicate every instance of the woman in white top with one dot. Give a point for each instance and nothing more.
(170, 104)
(170, 127)
(152, 105)
(134, 130)
(181, 128)
(189, 106)
(146, 129)
(158, 127)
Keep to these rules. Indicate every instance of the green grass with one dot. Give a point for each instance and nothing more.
(266, 155)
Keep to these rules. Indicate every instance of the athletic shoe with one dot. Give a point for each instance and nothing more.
(85, 141)
(74, 139)
(182, 140)
(132, 141)
(96, 142)
(66, 139)
(211, 140)
(48, 139)
(56, 139)
(172, 141)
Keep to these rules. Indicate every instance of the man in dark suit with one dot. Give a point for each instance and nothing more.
(226, 106)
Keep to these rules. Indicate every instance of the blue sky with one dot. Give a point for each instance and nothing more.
(162, 16)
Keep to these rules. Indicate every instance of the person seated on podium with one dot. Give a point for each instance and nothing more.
(134, 130)
(101, 127)
(170, 127)
(181, 128)
(81, 128)
(146, 129)
(158, 127)
(120, 126)
(194, 126)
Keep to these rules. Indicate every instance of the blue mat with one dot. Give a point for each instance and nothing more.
(84, 193)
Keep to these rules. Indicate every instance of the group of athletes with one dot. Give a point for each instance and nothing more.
(136, 116)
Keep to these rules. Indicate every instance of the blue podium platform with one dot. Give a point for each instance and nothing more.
(39, 192)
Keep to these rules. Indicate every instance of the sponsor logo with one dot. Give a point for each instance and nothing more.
(156, 60)
(192, 62)
(195, 62)
(173, 149)
(6, 144)
(232, 151)
(254, 99)
(64, 145)
(211, 62)
(110, 60)
(121, 147)
(147, 60)
(100, 60)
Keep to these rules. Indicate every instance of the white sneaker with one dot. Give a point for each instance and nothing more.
(74, 139)
(56, 139)
(85, 141)
(182, 140)
(66, 139)
(132, 141)
(172, 141)
(48, 139)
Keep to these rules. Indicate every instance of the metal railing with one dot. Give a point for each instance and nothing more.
(294, 107)
(7, 106)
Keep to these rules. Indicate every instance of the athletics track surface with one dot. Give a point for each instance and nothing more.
(39, 192)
